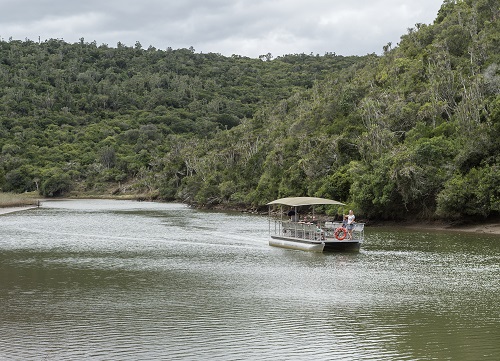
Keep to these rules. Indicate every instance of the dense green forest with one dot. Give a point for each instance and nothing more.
(414, 132)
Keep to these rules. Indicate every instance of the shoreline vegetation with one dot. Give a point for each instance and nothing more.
(10, 202)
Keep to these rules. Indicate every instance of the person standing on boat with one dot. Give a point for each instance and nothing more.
(344, 222)
(350, 223)
(294, 217)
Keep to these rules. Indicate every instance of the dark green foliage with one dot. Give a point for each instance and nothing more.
(55, 184)
(105, 115)
(18, 180)
(475, 194)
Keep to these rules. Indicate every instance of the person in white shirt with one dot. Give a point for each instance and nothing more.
(350, 223)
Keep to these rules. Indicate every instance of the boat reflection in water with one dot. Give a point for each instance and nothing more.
(312, 236)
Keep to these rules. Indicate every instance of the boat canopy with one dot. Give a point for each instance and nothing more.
(304, 201)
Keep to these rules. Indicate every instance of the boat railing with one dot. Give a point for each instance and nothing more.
(358, 232)
(309, 231)
(297, 230)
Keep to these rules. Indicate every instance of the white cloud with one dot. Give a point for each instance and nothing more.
(242, 27)
(68, 24)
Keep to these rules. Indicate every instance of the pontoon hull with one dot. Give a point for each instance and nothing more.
(314, 245)
(293, 243)
(342, 246)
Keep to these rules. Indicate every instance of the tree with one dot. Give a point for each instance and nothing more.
(56, 184)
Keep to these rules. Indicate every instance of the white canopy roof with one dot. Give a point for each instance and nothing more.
(304, 201)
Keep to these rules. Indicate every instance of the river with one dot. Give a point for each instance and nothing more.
(125, 280)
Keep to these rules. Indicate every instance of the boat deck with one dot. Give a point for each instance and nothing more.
(312, 237)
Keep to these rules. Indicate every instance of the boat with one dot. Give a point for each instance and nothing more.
(307, 236)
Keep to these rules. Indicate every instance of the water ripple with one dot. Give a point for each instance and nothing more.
(124, 280)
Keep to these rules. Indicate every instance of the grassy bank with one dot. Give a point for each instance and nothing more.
(18, 200)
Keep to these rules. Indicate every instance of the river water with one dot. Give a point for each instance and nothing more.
(123, 280)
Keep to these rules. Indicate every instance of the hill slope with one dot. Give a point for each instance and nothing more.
(412, 133)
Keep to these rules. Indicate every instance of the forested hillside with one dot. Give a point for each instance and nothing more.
(412, 133)
(87, 118)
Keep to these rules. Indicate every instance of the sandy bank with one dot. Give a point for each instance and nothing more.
(490, 228)
(5, 210)
(486, 228)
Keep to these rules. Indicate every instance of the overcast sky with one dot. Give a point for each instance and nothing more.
(242, 27)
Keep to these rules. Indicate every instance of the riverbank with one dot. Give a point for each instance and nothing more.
(13, 200)
(486, 227)
(6, 210)
(490, 228)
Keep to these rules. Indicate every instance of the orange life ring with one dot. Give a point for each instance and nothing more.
(340, 233)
